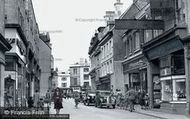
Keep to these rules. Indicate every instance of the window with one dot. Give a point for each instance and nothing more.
(111, 66)
(108, 68)
(10, 66)
(86, 84)
(75, 81)
(130, 45)
(86, 77)
(147, 35)
(75, 71)
(63, 79)
(86, 69)
(157, 32)
(137, 40)
(64, 84)
(167, 90)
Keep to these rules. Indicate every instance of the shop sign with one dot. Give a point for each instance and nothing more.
(136, 64)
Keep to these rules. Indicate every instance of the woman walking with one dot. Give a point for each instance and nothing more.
(58, 98)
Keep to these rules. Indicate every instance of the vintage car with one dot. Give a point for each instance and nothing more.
(89, 99)
(105, 99)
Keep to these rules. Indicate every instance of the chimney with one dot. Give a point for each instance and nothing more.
(110, 17)
(118, 8)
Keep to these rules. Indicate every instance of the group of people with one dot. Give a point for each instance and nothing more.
(132, 97)
(38, 102)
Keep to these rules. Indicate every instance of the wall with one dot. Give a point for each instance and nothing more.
(45, 65)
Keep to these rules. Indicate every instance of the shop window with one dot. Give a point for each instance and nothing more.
(167, 90)
(179, 92)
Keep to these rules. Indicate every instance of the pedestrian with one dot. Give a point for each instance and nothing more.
(30, 102)
(146, 99)
(48, 98)
(36, 98)
(97, 100)
(141, 99)
(58, 98)
(41, 103)
(76, 98)
(131, 98)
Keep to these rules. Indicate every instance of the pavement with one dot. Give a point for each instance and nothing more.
(91, 112)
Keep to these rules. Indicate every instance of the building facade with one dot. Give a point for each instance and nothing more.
(79, 76)
(21, 75)
(157, 60)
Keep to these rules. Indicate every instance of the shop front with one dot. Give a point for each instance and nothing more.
(166, 71)
(135, 74)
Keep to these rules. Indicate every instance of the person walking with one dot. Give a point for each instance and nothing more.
(141, 99)
(77, 99)
(58, 98)
(131, 98)
(36, 98)
(48, 98)
(30, 102)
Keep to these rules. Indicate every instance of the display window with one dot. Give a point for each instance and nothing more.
(166, 90)
(173, 90)
(179, 92)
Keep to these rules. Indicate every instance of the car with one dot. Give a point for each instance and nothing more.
(89, 99)
(105, 99)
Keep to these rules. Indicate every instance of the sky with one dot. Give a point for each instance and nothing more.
(78, 20)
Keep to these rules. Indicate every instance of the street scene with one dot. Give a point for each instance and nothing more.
(110, 59)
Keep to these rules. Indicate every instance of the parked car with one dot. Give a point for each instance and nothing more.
(105, 99)
(89, 99)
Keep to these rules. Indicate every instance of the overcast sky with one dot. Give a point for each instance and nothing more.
(72, 43)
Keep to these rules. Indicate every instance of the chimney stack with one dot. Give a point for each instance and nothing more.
(110, 17)
(118, 8)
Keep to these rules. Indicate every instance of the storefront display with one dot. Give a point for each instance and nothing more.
(167, 90)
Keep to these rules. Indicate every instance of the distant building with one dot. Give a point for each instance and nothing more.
(63, 80)
(79, 75)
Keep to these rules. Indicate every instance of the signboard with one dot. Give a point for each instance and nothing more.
(122, 24)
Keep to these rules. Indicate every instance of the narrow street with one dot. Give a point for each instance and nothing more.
(91, 112)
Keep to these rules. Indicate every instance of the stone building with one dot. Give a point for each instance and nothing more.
(4, 46)
(157, 59)
(22, 71)
(79, 76)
